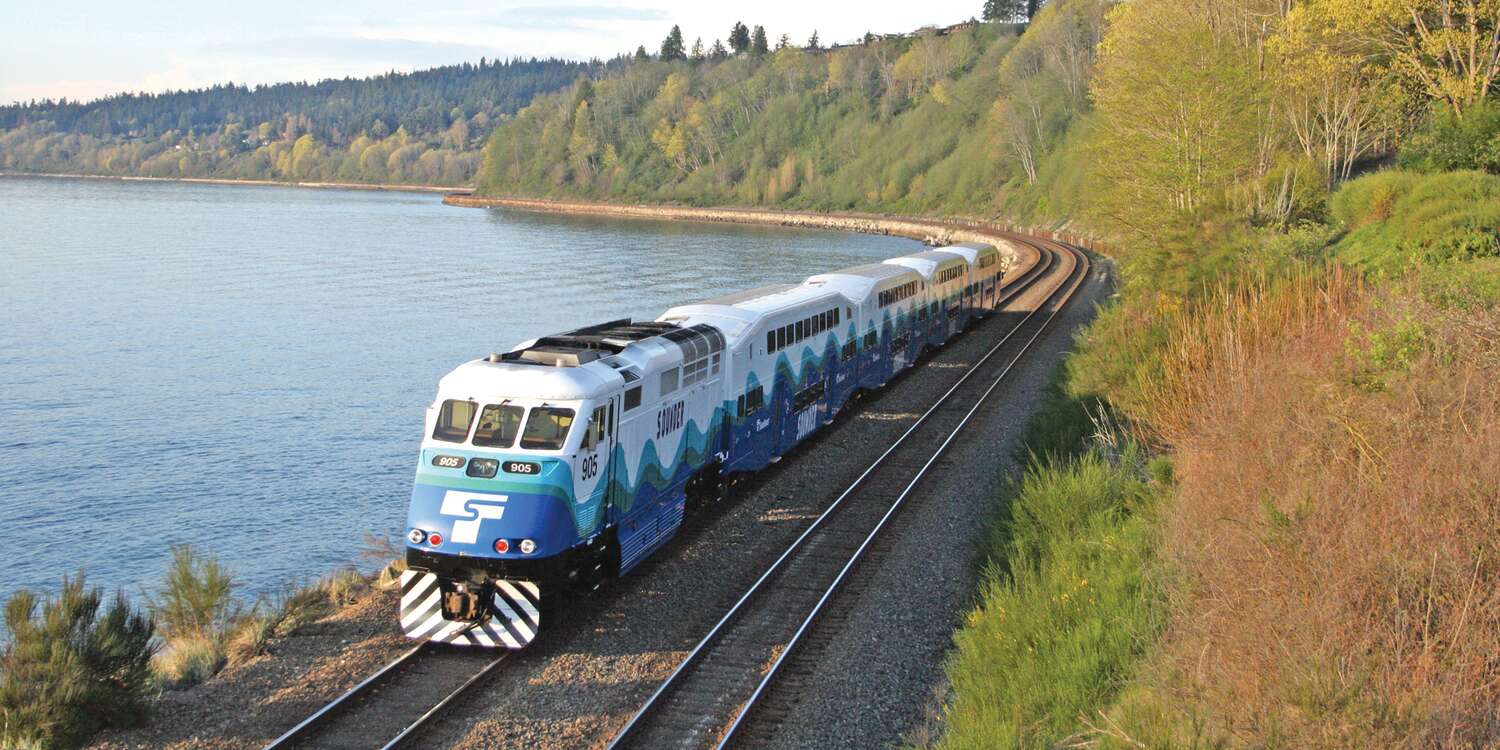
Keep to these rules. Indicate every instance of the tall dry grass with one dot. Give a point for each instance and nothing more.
(1337, 536)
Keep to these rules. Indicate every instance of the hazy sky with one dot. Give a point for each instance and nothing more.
(86, 48)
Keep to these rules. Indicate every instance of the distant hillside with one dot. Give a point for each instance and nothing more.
(421, 127)
(894, 123)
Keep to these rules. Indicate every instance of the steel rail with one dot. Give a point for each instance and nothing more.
(1077, 276)
(655, 700)
(458, 692)
(316, 720)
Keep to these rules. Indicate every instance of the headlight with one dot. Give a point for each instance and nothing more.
(527, 546)
(484, 468)
(416, 536)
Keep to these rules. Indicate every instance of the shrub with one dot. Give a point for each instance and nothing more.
(1350, 526)
(188, 660)
(72, 669)
(197, 598)
(1400, 221)
(1448, 142)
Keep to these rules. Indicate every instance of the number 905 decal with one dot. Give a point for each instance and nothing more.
(589, 467)
(448, 462)
(522, 467)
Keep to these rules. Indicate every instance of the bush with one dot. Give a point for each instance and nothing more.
(189, 660)
(72, 670)
(197, 598)
(1399, 222)
(1448, 142)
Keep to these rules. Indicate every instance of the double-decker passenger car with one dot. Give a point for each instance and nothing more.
(573, 457)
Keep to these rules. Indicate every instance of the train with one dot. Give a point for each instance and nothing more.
(572, 458)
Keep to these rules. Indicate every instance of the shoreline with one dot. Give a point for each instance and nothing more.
(929, 230)
(229, 181)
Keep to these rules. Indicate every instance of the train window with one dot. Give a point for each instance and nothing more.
(752, 401)
(807, 396)
(594, 434)
(870, 340)
(632, 398)
(850, 349)
(695, 372)
(547, 428)
(740, 405)
(770, 341)
(453, 421)
(716, 365)
(781, 337)
(611, 417)
(669, 381)
(498, 425)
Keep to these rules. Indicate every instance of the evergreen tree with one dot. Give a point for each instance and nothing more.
(784, 41)
(640, 54)
(739, 38)
(717, 52)
(697, 54)
(758, 45)
(672, 47)
(1004, 11)
(812, 41)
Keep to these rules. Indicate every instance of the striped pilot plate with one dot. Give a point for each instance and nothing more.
(512, 621)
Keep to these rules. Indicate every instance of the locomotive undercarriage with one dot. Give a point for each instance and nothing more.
(495, 602)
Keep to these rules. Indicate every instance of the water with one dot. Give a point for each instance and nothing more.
(245, 368)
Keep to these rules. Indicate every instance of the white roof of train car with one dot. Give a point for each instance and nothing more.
(927, 263)
(858, 282)
(748, 308)
(970, 250)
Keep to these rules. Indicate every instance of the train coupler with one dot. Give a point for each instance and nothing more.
(496, 614)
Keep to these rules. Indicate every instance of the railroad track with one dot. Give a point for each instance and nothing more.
(391, 707)
(430, 675)
(708, 698)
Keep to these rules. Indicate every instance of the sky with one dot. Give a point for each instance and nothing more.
(82, 49)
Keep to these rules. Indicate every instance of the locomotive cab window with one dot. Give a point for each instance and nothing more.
(669, 381)
(632, 398)
(498, 425)
(547, 428)
(594, 433)
(454, 420)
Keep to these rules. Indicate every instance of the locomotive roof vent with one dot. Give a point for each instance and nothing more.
(559, 357)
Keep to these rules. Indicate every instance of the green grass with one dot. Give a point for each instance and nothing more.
(1066, 606)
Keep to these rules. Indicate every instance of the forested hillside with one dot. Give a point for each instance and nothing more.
(422, 127)
(899, 123)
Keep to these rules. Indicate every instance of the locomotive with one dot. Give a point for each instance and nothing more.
(573, 457)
